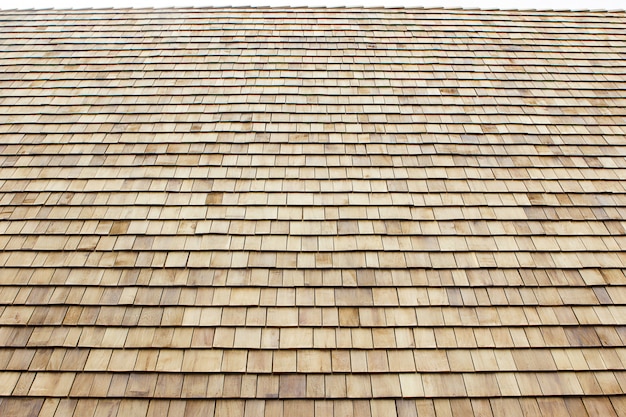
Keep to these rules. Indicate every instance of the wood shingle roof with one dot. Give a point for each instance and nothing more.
(312, 212)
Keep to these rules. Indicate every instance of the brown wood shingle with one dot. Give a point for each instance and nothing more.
(273, 211)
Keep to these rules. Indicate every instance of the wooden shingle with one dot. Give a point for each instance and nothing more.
(213, 212)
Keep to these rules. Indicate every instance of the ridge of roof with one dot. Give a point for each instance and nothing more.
(312, 8)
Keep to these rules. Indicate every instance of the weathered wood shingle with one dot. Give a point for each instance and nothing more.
(263, 211)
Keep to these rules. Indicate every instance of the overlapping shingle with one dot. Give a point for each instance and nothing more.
(265, 211)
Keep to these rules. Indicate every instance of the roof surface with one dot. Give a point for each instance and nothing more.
(312, 212)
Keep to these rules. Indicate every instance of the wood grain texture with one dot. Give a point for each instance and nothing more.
(252, 212)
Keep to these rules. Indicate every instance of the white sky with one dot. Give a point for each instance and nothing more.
(488, 4)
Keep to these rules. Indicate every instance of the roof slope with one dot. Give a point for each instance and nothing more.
(313, 212)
